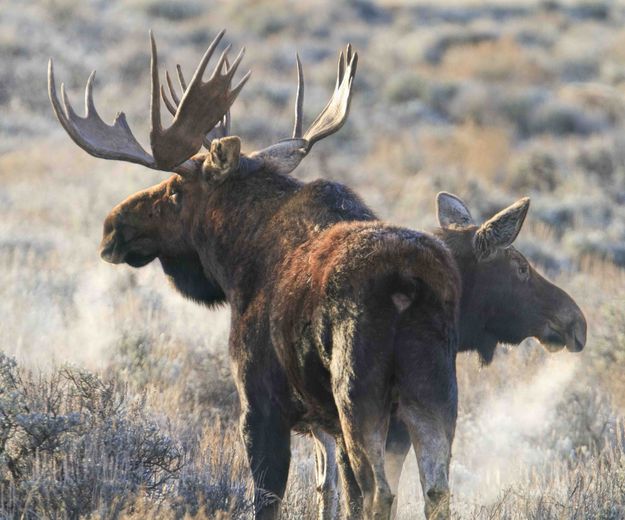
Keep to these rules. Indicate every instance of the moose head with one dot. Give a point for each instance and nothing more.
(168, 220)
(504, 299)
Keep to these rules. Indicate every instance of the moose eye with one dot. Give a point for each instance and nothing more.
(523, 271)
(174, 197)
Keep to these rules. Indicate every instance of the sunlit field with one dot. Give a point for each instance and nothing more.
(116, 398)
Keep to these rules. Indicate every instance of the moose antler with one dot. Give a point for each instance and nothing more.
(334, 115)
(202, 106)
(220, 130)
(287, 154)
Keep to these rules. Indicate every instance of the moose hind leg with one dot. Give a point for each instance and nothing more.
(366, 455)
(352, 496)
(426, 379)
(362, 396)
(431, 425)
(326, 474)
(433, 451)
(397, 446)
(267, 440)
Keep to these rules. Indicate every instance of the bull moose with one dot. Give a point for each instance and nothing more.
(503, 300)
(335, 315)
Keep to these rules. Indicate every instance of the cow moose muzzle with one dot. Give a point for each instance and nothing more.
(567, 330)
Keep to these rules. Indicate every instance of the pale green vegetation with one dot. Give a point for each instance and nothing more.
(121, 404)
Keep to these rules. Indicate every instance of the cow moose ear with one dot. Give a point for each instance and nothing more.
(452, 211)
(501, 230)
(223, 157)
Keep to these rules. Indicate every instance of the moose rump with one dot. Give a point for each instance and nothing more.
(364, 315)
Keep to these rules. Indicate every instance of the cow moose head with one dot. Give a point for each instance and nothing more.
(504, 299)
(168, 220)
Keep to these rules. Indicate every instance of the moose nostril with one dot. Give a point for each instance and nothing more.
(579, 330)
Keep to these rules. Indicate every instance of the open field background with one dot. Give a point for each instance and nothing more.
(115, 393)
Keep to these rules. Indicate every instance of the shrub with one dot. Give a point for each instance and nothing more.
(173, 11)
(405, 87)
(537, 172)
(72, 443)
(597, 161)
(437, 50)
(559, 118)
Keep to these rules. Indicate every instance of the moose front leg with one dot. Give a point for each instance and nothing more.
(267, 439)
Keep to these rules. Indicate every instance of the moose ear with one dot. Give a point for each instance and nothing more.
(501, 230)
(452, 211)
(223, 157)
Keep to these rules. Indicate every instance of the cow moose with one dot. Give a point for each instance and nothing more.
(503, 300)
(335, 315)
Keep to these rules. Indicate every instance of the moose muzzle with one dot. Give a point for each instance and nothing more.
(122, 244)
(568, 329)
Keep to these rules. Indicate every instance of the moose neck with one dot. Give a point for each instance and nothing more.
(472, 333)
(235, 239)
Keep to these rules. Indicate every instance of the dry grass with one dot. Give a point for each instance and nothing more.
(121, 404)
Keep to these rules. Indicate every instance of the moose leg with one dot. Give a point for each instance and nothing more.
(364, 439)
(363, 397)
(397, 447)
(433, 449)
(428, 406)
(326, 474)
(352, 496)
(267, 438)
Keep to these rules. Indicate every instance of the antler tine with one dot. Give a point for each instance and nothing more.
(240, 84)
(235, 91)
(227, 123)
(231, 69)
(181, 80)
(341, 71)
(299, 100)
(91, 133)
(344, 60)
(155, 105)
(89, 104)
(226, 120)
(222, 61)
(199, 71)
(172, 90)
(69, 110)
(171, 108)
